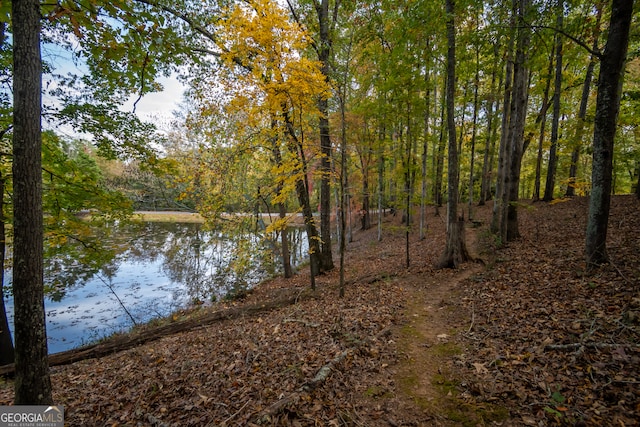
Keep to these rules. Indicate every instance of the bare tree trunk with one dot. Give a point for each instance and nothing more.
(425, 151)
(498, 219)
(489, 148)
(439, 160)
(32, 383)
(344, 202)
(518, 118)
(582, 113)
(542, 120)
(553, 158)
(302, 191)
(324, 49)
(474, 131)
(380, 182)
(282, 209)
(607, 108)
(6, 343)
(455, 250)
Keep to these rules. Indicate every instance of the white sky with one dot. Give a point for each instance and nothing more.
(157, 107)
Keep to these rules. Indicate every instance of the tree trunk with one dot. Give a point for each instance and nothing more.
(498, 219)
(282, 209)
(518, 118)
(425, 151)
(455, 250)
(582, 113)
(32, 384)
(302, 191)
(474, 131)
(439, 160)
(326, 257)
(553, 158)
(542, 120)
(284, 238)
(380, 181)
(607, 108)
(489, 149)
(6, 343)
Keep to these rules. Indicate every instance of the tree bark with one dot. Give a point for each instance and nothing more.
(474, 131)
(326, 257)
(582, 113)
(6, 343)
(498, 218)
(607, 108)
(542, 120)
(381, 161)
(425, 149)
(439, 162)
(32, 384)
(517, 120)
(455, 249)
(553, 158)
(490, 140)
(302, 191)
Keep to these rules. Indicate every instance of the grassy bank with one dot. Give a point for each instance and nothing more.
(161, 216)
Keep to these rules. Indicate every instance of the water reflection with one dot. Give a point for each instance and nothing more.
(152, 270)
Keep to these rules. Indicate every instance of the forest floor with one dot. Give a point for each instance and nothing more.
(525, 337)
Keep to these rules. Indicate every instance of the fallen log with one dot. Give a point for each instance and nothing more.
(266, 415)
(120, 343)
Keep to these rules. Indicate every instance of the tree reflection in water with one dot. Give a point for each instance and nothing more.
(150, 270)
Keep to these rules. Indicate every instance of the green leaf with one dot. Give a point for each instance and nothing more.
(558, 397)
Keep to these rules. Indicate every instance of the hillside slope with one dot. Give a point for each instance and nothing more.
(525, 338)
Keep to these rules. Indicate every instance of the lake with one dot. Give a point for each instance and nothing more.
(158, 269)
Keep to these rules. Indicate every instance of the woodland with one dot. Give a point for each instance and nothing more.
(467, 174)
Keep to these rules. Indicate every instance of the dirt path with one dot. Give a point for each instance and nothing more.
(427, 344)
(429, 349)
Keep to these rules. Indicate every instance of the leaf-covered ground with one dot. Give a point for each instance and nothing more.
(527, 338)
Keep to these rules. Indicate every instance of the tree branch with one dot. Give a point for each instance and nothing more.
(195, 26)
(593, 51)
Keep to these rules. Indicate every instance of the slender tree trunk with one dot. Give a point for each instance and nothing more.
(542, 120)
(302, 191)
(344, 201)
(6, 343)
(455, 250)
(498, 219)
(32, 383)
(518, 119)
(553, 158)
(284, 238)
(425, 151)
(380, 181)
(474, 131)
(582, 113)
(489, 148)
(607, 108)
(282, 210)
(365, 219)
(439, 169)
(324, 49)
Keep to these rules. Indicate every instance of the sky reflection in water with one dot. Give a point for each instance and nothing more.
(166, 267)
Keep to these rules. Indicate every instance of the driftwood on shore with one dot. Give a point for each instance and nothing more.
(124, 342)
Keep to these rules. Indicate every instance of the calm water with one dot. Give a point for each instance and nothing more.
(162, 268)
